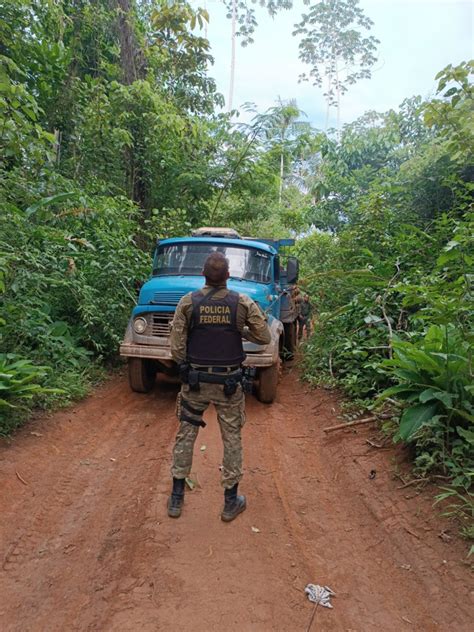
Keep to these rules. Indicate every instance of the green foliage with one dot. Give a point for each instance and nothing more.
(20, 383)
(452, 115)
(391, 268)
(22, 139)
(434, 380)
(67, 273)
(458, 502)
(180, 57)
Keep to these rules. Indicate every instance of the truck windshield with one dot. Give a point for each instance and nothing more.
(188, 259)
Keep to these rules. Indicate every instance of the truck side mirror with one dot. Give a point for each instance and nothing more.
(292, 270)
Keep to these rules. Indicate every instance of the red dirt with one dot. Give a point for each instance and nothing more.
(86, 544)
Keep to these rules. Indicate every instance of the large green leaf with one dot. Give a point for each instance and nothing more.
(414, 418)
(397, 390)
(409, 376)
(60, 197)
(467, 434)
(401, 391)
(430, 394)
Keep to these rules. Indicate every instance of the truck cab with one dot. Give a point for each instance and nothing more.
(254, 268)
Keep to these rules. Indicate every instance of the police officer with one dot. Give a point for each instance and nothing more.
(304, 319)
(206, 342)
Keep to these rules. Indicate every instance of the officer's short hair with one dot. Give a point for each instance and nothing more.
(216, 268)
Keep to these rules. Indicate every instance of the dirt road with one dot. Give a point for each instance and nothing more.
(86, 544)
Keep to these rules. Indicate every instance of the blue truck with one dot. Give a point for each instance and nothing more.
(255, 270)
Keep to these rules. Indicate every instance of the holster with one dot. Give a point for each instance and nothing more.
(183, 371)
(230, 386)
(189, 413)
(193, 379)
(230, 382)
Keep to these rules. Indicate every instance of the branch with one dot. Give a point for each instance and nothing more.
(348, 424)
(234, 170)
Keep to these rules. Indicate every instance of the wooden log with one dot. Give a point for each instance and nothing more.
(349, 424)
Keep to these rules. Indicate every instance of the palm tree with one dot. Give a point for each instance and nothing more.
(286, 132)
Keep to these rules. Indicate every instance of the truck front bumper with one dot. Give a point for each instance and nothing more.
(132, 350)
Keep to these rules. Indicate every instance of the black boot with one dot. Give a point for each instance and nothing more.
(176, 499)
(233, 504)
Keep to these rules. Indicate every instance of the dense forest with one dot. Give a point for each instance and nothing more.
(112, 133)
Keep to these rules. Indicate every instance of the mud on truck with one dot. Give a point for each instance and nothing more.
(255, 270)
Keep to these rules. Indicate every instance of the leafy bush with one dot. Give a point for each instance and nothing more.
(67, 264)
(20, 383)
(435, 383)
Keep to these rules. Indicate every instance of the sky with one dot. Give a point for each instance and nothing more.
(417, 39)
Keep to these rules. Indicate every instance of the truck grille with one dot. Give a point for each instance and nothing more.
(161, 324)
(167, 298)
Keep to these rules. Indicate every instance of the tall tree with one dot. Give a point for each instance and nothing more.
(335, 48)
(243, 20)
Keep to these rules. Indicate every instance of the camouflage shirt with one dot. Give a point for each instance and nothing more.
(248, 315)
(306, 309)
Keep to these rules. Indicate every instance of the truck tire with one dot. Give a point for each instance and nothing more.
(268, 382)
(290, 341)
(141, 375)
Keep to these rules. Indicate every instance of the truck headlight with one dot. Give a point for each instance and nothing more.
(139, 325)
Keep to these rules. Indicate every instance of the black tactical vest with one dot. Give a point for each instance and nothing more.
(213, 338)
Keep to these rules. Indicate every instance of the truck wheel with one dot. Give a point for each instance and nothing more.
(141, 375)
(290, 341)
(268, 382)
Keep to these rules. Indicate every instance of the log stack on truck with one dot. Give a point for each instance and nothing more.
(255, 270)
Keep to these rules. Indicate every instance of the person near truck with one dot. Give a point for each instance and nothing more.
(304, 318)
(206, 343)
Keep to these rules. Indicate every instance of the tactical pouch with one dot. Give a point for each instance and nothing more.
(193, 379)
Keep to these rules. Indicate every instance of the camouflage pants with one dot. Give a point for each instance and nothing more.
(304, 324)
(231, 417)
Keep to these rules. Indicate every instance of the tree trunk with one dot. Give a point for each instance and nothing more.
(232, 57)
(282, 166)
(127, 42)
(328, 103)
(132, 63)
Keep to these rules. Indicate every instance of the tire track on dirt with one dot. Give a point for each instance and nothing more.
(67, 525)
(69, 481)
